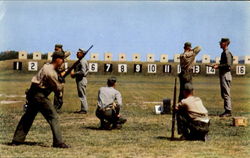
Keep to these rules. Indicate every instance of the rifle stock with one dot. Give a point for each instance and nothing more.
(173, 113)
(76, 63)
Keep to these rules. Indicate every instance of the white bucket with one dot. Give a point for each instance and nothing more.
(158, 109)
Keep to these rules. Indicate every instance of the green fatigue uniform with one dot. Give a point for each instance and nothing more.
(42, 85)
(226, 62)
(81, 72)
(192, 118)
(107, 110)
(58, 100)
(186, 62)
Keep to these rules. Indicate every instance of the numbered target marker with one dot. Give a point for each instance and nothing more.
(152, 68)
(122, 68)
(32, 66)
(17, 65)
(196, 69)
(178, 69)
(108, 67)
(210, 70)
(93, 67)
(240, 70)
(167, 68)
(137, 67)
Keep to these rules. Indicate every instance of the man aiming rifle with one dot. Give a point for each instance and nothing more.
(80, 74)
(59, 99)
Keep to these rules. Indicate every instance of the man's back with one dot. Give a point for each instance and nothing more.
(194, 107)
(187, 58)
(107, 95)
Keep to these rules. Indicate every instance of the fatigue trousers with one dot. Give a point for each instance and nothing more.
(184, 77)
(81, 89)
(107, 116)
(189, 128)
(58, 101)
(225, 85)
(38, 103)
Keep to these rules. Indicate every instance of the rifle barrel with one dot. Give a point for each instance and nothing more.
(173, 114)
(74, 65)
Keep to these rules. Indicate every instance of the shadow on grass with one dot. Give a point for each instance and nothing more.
(168, 138)
(27, 143)
(100, 129)
(92, 128)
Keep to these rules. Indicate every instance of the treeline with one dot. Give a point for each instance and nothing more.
(7, 55)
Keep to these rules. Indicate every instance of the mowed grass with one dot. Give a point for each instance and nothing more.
(144, 135)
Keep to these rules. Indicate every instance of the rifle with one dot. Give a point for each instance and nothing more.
(76, 63)
(173, 113)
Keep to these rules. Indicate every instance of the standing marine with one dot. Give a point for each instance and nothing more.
(58, 100)
(108, 106)
(80, 74)
(186, 62)
(225, 66)
(42, 85)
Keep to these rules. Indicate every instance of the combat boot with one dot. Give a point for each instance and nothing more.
(227, 113)
(105, 125)
(81, 112)
(15, 143)
(61, 145)
(121, 120)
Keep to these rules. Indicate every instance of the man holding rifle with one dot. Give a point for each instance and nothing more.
(42, 85)
(80, 74)
(192, 116)
(58, 100)
(186, 62)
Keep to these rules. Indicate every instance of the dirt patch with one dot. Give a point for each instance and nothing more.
(9, 102)
(152, 102)
(11, 95)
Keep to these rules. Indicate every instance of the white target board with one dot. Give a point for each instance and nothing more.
(210, 70)
(32, 66)
(152, 68)
(196, 69)
(93, 67)
(122, 68)
(240, 70)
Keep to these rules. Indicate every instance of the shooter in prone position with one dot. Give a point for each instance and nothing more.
(42, 85)
(192, 116)
(107, 110)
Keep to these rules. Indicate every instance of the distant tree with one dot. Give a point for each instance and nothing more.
(7, 55)
(30, 56)
(44, 56)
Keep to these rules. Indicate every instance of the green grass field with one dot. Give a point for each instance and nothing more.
(144, 135)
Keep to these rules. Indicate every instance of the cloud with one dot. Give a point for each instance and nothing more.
(2, 10)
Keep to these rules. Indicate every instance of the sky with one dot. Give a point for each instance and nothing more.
(158, 27)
